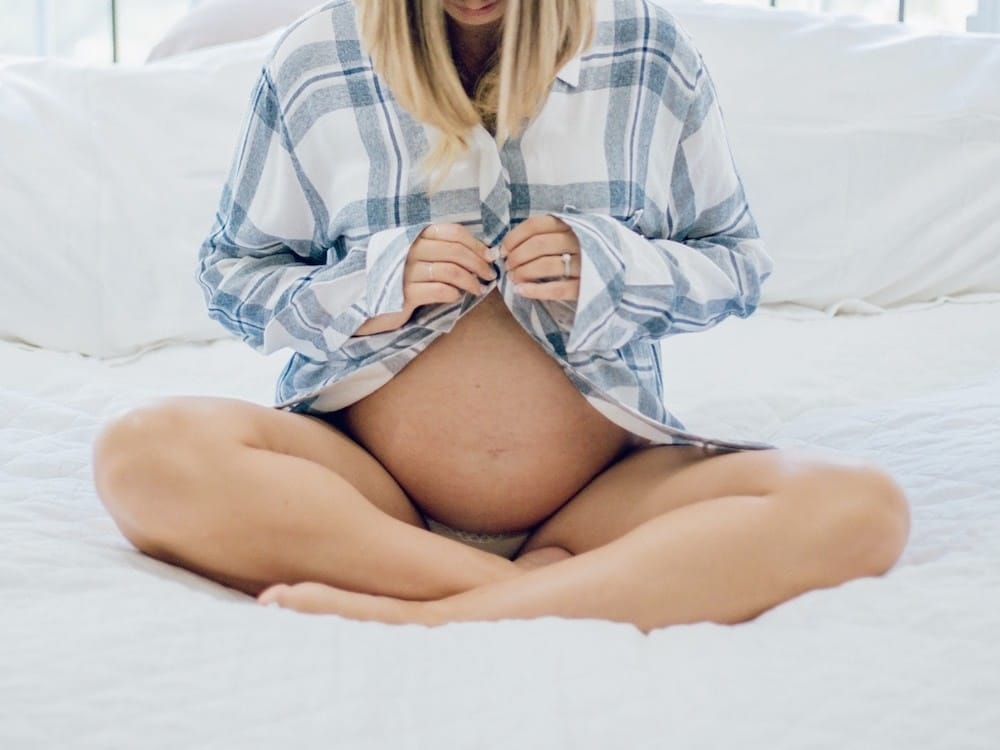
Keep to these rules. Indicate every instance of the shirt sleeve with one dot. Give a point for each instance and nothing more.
(268, 271)
(710, 266)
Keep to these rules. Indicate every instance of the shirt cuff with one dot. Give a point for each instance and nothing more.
(385, 264)
(602, 279)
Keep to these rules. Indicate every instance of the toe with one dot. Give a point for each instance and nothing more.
(540, 556)
(272, 594)
(316, 598)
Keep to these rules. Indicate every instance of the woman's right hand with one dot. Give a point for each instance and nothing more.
(444, 261)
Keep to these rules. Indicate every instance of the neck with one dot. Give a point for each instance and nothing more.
(472, 47)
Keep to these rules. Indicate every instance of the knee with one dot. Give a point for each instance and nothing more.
(878, 519)
(138, 458)
(858, 516)
(131, 450)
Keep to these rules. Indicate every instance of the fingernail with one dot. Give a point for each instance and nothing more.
(483, 289)
(492, 254)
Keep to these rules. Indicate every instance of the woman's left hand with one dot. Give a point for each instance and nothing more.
(543, 259)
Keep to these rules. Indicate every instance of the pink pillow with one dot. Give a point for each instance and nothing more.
(222, 21)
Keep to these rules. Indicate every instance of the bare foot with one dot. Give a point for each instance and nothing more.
(319, 598)
(536, 558)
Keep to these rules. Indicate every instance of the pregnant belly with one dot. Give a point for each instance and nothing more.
(483, 430)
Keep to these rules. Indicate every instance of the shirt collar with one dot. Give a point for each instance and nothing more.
(570, 72)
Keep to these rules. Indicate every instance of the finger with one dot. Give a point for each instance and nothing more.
(542, 224)
(458, 234)
(436, 251)
(540, 245)
(430, 293)
(552, 290)
(444, 272)
(546, 267)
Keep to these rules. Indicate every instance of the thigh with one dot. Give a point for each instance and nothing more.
(649, 482)
(212, 422)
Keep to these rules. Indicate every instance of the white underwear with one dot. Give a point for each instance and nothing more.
(506, 545)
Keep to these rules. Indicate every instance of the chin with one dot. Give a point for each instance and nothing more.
(485, 16)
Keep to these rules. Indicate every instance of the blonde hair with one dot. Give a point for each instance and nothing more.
(408, 43)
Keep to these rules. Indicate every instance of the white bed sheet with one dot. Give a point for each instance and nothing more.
(102, 647)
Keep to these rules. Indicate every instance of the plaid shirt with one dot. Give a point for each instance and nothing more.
(324, 199)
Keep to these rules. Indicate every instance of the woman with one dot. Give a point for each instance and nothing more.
(473, 222)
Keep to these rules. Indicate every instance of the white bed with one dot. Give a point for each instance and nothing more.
(101, 647)
(104, 647)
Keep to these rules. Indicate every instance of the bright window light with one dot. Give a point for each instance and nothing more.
(83, 29)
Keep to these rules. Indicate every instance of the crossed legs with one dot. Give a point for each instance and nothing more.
(251, 496)
(667, 536)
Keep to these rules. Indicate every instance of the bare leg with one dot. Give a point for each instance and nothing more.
(725, 559)
(249, 495)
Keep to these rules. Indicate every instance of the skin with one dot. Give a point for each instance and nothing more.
(666, 537)
(474, 36)
(248, 495)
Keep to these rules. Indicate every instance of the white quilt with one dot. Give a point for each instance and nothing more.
(104, 648)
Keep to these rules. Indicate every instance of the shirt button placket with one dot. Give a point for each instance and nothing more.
(494, 189)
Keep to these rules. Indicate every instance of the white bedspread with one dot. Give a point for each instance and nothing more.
(104, 648)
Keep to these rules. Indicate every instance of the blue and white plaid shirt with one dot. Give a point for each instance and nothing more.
(324, 199)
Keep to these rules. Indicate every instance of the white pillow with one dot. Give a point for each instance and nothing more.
(223, 21)
(870, 152)
(109, 180)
